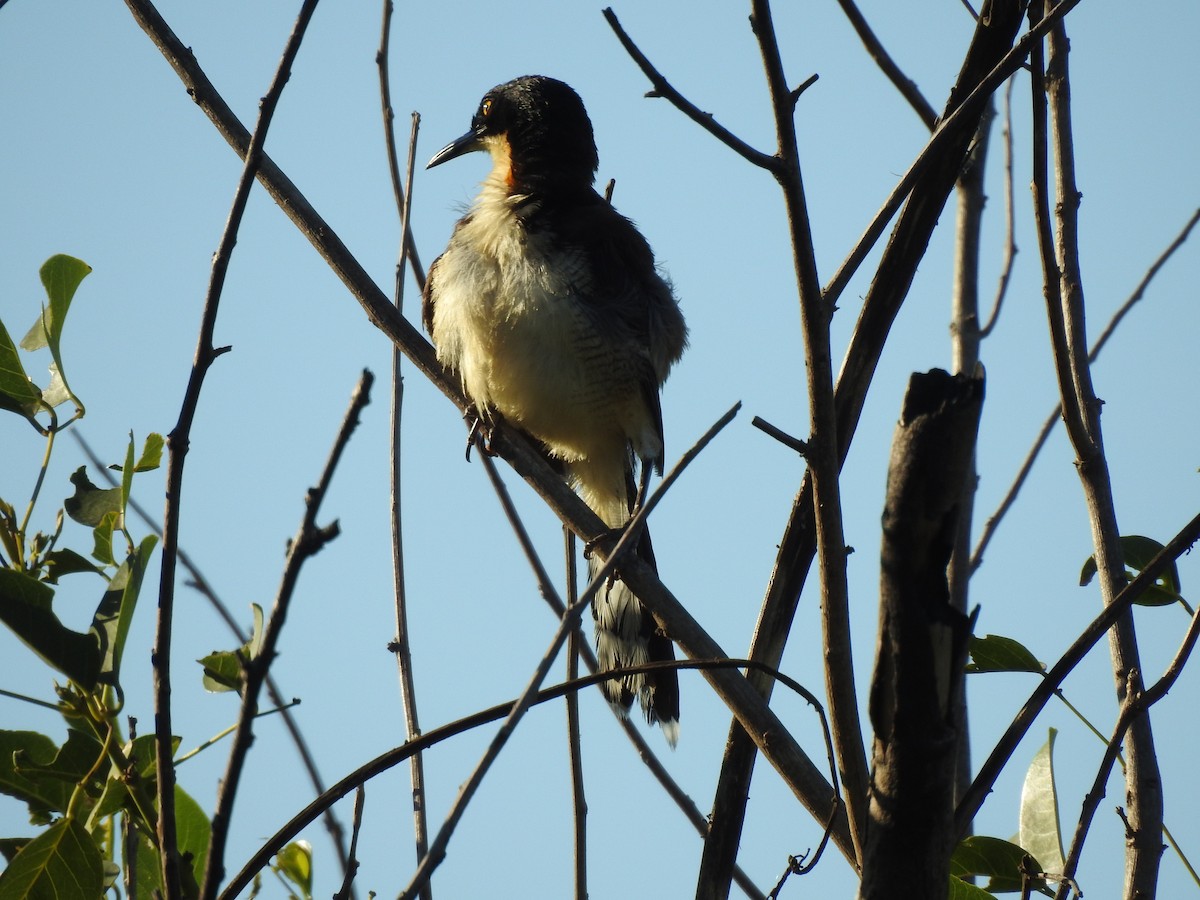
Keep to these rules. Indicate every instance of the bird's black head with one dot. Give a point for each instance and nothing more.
(536, 128)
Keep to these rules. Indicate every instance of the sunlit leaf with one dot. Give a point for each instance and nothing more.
(89, 503)
(1039, 833)
(223, 669)
(61, 863)
(61, 276)
(114, 614)
(294, 862)
(995, 653)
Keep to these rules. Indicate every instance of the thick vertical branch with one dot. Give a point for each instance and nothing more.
(922, 647)
(823, 456)
(1081, 411)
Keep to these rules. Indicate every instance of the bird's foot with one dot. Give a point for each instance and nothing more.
(605, 541)
(480, 433)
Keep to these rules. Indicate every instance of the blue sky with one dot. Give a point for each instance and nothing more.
(107, 159)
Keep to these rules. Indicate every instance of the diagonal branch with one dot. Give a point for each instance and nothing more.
(905, 85)
(772, 737)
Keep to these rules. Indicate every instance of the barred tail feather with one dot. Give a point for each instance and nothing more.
(626, 634)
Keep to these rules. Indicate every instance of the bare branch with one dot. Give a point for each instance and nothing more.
(394, 757)
(347, 889)
(1010, 244)
(574, 746)
(905, 85)
(664, 89)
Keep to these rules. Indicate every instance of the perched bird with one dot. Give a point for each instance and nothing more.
(548, 306)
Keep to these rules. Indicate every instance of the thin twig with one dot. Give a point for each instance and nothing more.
(664, 89)
(309, 540)
(1054, 677)
(201, 585)
(574, 744)
(347, 889)
(402, 643)
(1010, 243)
(177, 443)
(408, 246)
(905, 85)
(434, 736)
(1010, 497)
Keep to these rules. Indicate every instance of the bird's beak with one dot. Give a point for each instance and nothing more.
(459, 146)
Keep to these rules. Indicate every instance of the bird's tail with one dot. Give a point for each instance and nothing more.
(626, 634)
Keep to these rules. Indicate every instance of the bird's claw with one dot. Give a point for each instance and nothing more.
(480, 433)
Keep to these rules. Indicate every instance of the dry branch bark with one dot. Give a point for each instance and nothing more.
(922, 647)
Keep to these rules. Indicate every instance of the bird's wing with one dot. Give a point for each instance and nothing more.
(428, 296)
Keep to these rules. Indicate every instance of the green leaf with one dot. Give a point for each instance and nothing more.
(294, 862)
(102, 548)
(995, 653)
(61, 276)
(1138, 551)
(43, 796)
(89, 503)
(962, 890)
(25, 607)
(114, 614)
(151, 457)
(67, 562)
(17, 392)
(1039, 833)
(998, 860)
(223, 669)
(62, 863)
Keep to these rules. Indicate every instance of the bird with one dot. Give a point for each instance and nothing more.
(549, 307)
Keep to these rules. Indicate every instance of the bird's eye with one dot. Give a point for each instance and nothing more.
(485, 107)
